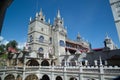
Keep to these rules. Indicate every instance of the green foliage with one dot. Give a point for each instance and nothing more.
(2, 48)
(4, 56)
(12, 44)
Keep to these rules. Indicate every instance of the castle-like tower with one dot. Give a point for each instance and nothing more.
(50, 41)
(115, 5)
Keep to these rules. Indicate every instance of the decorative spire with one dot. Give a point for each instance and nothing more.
(107, 37)
(100, 61)
(40, 13)
(30, 19)
(78, 36)
(36, 14)
(58, 14)
(49, 21)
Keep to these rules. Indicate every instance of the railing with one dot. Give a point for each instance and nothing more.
(75, 69)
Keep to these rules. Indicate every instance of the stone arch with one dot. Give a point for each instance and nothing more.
(18, 77)
(58, 78)
(32, 62)
(73, 78)
(31, 77)
(44, 63)
(45, 77)
(91, 79)
(9, 77)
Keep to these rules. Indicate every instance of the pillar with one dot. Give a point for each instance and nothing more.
(80, 73)
(64, 71)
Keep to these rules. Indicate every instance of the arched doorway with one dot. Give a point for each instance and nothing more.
(44, 63)
(31, 77)
(19, 77)
(58, 78)
(73, 78)
(32, 62)
(10, 77)
(45, 77)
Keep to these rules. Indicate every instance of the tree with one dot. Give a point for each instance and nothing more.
(12, 44)
(2, 48)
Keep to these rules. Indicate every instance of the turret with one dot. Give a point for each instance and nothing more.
(40, 16)
(109, 43)
(78, 37)
(58, 20)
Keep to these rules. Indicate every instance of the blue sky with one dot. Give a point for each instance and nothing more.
(91, 18)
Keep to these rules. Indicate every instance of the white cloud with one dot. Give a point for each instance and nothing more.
(21, 45)
(5, 42)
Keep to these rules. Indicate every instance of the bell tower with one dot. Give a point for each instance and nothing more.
(59, 36)
(39, 34)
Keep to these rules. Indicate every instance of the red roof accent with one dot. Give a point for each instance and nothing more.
(12, 50)
(98, 49)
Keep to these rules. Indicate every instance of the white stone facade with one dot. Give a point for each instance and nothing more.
(115, 6)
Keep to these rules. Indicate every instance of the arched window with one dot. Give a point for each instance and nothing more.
(41, 39)
(44, 63)
(31, 38)
(31, 77)
(50, 40)
(10, 77)
(62, 43)
(45, 77)
(40, 50)
(58, 78)
(32, 62)
(29, 48)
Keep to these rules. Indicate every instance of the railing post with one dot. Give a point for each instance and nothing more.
(4, 74)
(52, 72)
(64, 71)
(101, 70)
(24, 66)
(101, 73)
(80, 72)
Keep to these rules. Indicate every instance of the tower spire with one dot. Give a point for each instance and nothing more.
(58, 14)
(107, 37)
(78, 37)
(41, 13)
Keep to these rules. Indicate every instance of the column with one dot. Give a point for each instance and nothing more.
(64, 71)
(80, 73)
(24, 65)
(101, 69)
(86, 62)
(52, 72)
(95, 62)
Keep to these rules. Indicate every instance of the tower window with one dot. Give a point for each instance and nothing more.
(41, 19)
(31, 29)
(50, 40)
(29, 48)
(61, 22)
(41, 39)
(31, 38)
(41, 29)
(118, 5)
(62, 43)
(40, 50)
